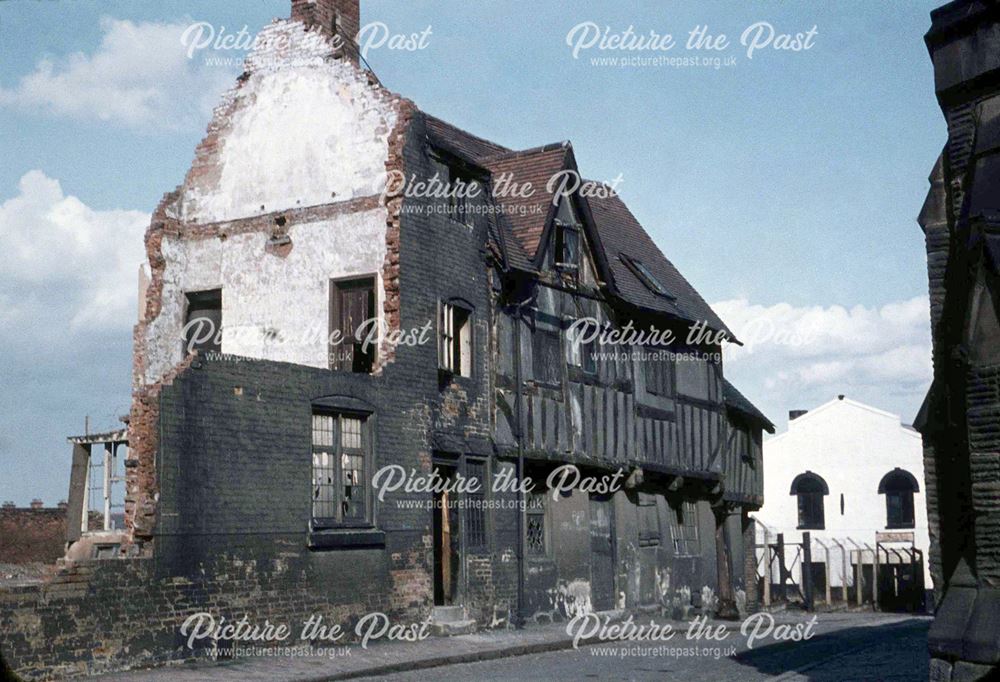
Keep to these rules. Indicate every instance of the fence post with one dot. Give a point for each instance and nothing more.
(875, 580)
(767, 568)
(843, 568)
(781, 564)
(829, 597)
(807, 586)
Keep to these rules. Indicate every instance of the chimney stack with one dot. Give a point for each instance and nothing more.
(795, 414)
(37, 504)
(336, 18)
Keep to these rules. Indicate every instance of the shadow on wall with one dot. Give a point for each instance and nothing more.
(892, 651)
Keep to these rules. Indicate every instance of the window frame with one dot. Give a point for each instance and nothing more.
(685, 534)
(657, 367)
(899, 484)
(338, 287)
(810, 505)
(196, 301)
(472, 542)
(546, 373)
(451, 358)
(337, 451)
(537, 506)
(646, 276)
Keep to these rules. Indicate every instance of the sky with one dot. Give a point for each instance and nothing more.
(783, 184)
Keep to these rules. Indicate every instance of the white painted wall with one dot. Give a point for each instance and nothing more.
(272, 308)
(851, 446)
(302, 130)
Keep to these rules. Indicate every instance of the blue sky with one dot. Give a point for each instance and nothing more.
(784, 187)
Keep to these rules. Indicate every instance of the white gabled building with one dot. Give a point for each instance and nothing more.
(844, 472)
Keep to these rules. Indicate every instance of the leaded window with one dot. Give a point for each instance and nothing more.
(340, 471)
(535, 531)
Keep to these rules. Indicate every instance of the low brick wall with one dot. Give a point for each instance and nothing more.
(117, 614)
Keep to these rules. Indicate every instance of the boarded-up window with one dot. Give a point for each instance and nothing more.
(684, 529)
(203, 321)
(352, 314)
(455, 339)
(475, 510)
(649, 521)
(696, 377)
(546, 358)
(340, 471)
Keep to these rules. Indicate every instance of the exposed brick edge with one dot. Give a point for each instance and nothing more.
(395, 163)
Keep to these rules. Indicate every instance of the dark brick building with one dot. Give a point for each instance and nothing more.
(249, 480)
(960, 419)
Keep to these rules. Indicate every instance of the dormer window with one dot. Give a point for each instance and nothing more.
(645, 275)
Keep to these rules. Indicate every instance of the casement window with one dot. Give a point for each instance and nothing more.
(898, 486)
(649, 521)
(455, 339)
(475, 509)
(810, 489)
(546, 356)
(352, 309)
(341, 470)
(646, 276)
(582, 353)
(566, 251)
(203, 321)
(536, 536)
(684, 529)
(658, 372)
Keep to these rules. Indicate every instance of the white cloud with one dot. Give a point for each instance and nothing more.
(139, 76)
(63, 259)
(798, 357)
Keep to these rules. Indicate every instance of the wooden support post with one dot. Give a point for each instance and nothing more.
(806, 570)
(107, 486)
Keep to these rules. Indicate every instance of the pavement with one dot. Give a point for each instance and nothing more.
(844, 646)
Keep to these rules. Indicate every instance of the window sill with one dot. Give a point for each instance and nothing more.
(810, 528)
(320, 540)
(900, 526)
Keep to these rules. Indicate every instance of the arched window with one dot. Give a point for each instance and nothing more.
(810, 489)
(898, 487)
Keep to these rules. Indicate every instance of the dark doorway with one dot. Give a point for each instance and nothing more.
(446, 540)
(602, 565)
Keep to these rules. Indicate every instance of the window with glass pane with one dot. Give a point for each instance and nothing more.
(340, 472)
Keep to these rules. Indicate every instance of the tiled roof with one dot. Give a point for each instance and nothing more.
(523, 222)
(528, 216)
(737, 402)
(621, 233)
(457, 140)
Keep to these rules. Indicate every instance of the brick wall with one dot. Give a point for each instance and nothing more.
(32, 535)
